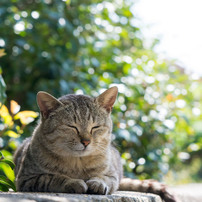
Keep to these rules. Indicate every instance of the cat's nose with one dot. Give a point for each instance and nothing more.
(85, 142)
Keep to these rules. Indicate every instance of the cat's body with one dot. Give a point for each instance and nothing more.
(71, 149)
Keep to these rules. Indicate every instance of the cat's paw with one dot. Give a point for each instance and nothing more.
(76, 186)
(97, 186)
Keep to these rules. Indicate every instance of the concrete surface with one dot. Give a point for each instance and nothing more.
(184, 193)
(122, 196)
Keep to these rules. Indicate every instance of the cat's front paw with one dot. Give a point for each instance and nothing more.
(97, 186)
(76, 186)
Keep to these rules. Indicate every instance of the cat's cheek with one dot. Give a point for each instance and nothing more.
(100, 132)
(106, 136)
(49, 127)
(95, 133)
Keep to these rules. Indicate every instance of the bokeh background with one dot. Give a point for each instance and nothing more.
(85, 47)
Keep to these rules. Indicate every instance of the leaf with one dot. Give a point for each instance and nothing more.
(26, 117)
(2, 53)
(1, 156)
(2, 89)
(11, 133)
(4, 113)
(10, 163)
(68, 2)
(4, 180)
(6, 154)
(14, 107)
(26, 114)
(6, 184)
(7, 170)
(3, 187)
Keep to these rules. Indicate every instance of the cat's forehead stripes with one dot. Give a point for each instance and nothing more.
(81, 109)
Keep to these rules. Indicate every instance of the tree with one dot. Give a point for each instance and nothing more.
(84, 47)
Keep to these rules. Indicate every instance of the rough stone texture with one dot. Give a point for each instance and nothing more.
(122, 196)
(184, 193)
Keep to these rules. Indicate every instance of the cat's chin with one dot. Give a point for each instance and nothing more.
(79, 153)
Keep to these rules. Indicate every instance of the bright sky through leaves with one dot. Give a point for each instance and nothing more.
(177, 23)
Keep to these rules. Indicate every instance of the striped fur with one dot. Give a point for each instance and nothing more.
(70, 150)
(55, 158)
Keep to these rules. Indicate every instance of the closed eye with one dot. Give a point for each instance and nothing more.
(94, 128)
(74, 127)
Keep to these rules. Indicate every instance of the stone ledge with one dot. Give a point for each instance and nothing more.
(119, 196)
(184, 193)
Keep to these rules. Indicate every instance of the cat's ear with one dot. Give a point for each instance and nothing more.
(47, 103)
(108, 98)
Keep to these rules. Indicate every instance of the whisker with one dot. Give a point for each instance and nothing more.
(101, 151)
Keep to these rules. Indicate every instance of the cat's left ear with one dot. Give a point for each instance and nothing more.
(47, 103)
(108, 98)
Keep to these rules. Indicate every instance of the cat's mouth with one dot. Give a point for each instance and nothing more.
(80, 148)
(80, 152)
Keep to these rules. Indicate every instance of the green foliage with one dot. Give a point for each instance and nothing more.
(12, 127)
(86, 46)
(6, 181)
(2, 83)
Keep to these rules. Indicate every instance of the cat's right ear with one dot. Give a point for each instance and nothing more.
(47, 103)
(108, 98)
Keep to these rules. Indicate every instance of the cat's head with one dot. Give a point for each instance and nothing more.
(76, 125)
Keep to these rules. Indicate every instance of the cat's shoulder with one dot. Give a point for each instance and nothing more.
(20, 152)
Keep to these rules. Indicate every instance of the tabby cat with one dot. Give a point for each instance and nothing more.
(71, 149)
